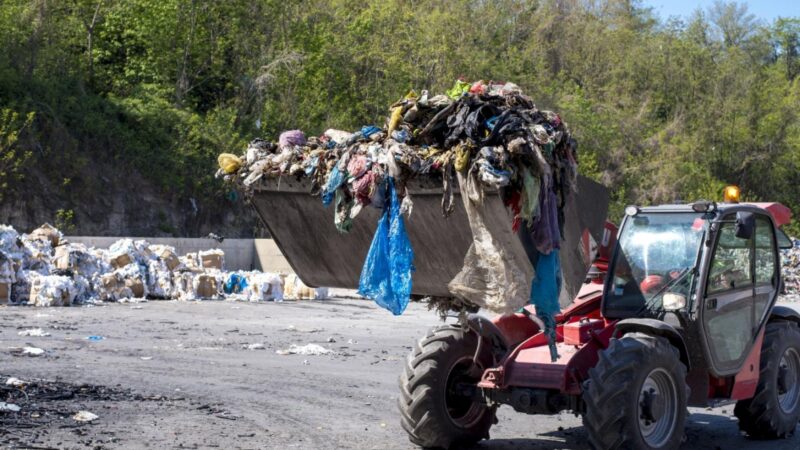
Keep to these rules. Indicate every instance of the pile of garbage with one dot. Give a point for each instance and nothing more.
(478, 137)
(44, 269)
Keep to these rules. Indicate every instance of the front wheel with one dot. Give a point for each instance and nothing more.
(774, 410)
(437, 401)
(636, 395)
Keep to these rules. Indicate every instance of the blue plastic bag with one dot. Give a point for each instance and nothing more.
(545, 289)
(386, 275)
(336, 179)
(235, 284)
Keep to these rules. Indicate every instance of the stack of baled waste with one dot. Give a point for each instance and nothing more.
(790, 262)
(43, 269)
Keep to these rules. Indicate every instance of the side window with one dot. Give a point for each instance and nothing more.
(730, 267)
(765, 252)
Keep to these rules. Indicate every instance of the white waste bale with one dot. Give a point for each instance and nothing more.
(159, 279)
(264, 286)
(295, 289)
(51, 290)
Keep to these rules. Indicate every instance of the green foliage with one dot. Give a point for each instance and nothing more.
(663, 110)
(12, 157)
(65, 220)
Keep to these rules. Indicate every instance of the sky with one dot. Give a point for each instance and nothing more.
(767, 10)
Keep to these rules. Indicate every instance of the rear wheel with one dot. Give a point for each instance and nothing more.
(436, 401)
(774, 410)
(636, 395)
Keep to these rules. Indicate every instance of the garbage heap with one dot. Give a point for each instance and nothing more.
(44, 269)
(475, 137)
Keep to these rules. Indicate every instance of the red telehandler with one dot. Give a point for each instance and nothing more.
(678, 310)
(681, 313)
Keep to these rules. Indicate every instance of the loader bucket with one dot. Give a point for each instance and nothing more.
(304, 231)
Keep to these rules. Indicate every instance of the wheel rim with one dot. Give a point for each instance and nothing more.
(658, 408)
(788, 374)
(463, 411)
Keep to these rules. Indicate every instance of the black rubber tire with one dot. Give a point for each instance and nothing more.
(761, 416)
(612, 392)
(423, 388)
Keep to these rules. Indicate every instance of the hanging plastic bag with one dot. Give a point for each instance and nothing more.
(545, 289)
(493, 275)
(386, 276)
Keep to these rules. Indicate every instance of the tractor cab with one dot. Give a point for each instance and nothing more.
(708, 270)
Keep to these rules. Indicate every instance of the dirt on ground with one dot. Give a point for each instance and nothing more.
(211, 375)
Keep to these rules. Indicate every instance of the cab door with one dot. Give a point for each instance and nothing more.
(727, 312)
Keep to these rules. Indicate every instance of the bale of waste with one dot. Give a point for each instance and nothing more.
(212, 259)
(167, 254)
(295, 289)
(264, 287)
(206, 287)
(49, 233)
(52, 290)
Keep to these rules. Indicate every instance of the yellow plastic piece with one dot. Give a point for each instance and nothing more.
(396, 118)
(229, 163)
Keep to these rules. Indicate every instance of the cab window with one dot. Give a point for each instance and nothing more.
(765, 252)
(731, 264)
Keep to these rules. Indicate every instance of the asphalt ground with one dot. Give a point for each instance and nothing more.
(167, 374)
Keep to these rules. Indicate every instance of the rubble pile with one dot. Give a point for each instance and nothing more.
(44, 269)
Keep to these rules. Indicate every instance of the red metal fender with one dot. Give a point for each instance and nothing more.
(529, 364)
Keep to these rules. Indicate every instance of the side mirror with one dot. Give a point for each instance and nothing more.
(745, 224)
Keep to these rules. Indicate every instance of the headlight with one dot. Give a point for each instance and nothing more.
(672, 301)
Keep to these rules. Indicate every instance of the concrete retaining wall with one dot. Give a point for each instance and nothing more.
(240, 254)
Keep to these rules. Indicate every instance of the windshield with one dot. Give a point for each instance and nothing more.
(655, 255)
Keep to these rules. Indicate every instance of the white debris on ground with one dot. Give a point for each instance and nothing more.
(44, 269)
(306, 350)
(9, 407)
(15, 382)
(85, 416)
(26, 351)
(34, 332)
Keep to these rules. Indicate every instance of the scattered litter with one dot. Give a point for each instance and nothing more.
(34, 332)
(95, 338)
(145, 358)
(16, 382)
(26, 351)
(9, 407)
(85, 416)
(306, 350)
(255, 346)
(331, 339)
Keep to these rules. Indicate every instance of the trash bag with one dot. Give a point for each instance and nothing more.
(235, 284)
(386, 276)
(229, 163)
(545, 289)
(492, 275)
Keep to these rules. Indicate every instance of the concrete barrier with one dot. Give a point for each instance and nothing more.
(240, 254)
